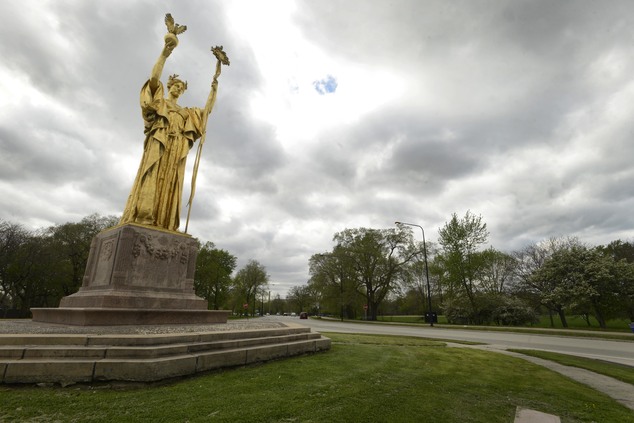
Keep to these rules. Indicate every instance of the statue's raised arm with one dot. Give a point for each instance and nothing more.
(171, 41)
(221, 59)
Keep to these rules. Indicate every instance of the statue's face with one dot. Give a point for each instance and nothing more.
(177, 89)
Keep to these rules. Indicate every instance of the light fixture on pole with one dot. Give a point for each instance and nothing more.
(431, 314)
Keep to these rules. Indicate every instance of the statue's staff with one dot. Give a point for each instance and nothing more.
(222, 59)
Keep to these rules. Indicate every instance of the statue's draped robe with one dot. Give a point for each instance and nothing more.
(170, 132)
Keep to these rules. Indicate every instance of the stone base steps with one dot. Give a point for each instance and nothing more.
(67, 359)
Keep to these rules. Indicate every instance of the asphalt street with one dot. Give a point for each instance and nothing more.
(609, 350)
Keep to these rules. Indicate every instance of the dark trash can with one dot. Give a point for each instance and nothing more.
(431, 317)
(632, 326)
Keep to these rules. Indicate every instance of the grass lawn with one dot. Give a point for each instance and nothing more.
(578, 322)
(363, 378)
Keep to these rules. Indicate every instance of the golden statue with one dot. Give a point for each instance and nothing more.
(170, 132)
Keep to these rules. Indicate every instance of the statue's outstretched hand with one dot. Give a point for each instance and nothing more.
(171, 41)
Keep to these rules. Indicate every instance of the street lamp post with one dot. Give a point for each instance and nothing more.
(431, 317)
(272, 283)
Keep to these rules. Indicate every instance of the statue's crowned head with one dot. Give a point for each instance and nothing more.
(173, 79)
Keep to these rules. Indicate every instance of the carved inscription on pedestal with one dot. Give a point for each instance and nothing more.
(161, 249)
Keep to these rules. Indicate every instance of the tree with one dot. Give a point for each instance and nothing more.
(414, 278)
(512, 311)
(376, 258)
(249, 280)
(13, 238)
(492, 273)
(71, 245)
(440, 280)
(278, 305)
(497, 271)
(212, 280)
(626, 292)
(612, 280)
(301, 298)
(409, 301)
(460, 240)
(619, 250)
(529, 261)
(623, 254)
(557, 278)
(333, 276)
(585, 278)
(25, 270)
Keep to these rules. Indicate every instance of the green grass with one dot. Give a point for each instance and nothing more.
(617, 371)
(578, 322)
(362, 378)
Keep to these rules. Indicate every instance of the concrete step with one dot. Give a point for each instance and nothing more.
(133, 350)
(145, 358)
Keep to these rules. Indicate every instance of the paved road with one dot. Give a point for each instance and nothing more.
(614, 351)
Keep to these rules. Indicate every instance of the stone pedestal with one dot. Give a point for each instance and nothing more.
(146, 273)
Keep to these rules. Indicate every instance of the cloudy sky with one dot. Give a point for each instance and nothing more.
(333, 115)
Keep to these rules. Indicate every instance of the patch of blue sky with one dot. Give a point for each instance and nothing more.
(326, 85)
